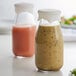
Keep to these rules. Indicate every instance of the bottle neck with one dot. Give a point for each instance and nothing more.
(43, 22)
(25, 18)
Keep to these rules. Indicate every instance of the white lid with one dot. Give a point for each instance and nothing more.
(25, 18)
(49, 14)
(24, 7)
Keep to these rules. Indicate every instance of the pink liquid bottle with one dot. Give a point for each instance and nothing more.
(23, 32)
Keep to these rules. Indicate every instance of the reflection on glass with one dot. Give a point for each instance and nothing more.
(26, 67)
(49, 73)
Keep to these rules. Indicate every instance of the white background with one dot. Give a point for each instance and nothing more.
(68, 7)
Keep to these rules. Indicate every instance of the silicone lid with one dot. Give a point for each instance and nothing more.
(24, 7)
(49, 14)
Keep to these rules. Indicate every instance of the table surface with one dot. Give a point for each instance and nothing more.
(11, 66)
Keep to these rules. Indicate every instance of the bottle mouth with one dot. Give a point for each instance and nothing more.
(23, 4)
(51, 11)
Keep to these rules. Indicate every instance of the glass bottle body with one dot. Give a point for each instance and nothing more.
(23, 41)
(49, 48)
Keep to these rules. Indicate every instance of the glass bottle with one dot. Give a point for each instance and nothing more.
(49, 41)
(23, 33)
